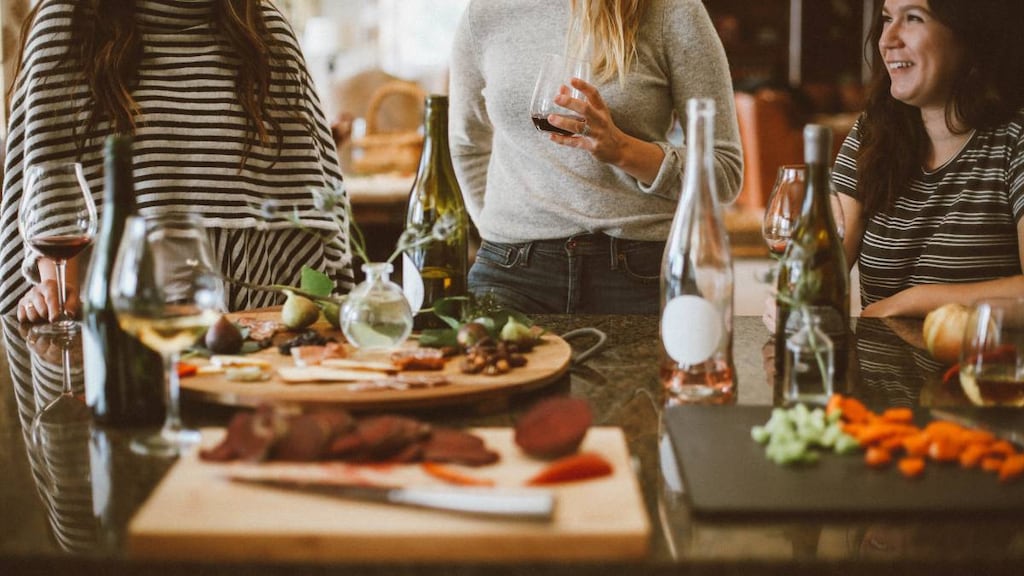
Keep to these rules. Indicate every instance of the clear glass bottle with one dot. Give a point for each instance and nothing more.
(697, 279)
(809, 363)
(438, 269)
(376, 314)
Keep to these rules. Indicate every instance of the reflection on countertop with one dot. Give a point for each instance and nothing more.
(107, 483)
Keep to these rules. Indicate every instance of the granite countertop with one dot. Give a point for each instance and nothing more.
(80, 527)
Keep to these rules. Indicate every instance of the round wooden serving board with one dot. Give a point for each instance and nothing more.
(546, 363)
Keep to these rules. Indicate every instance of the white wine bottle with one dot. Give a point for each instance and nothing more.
(697, 280)
(437, 269)
(813, 274)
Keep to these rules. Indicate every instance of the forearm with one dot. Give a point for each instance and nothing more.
(918, 301)
(640, 159)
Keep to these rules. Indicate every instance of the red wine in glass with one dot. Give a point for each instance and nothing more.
(540, 122)
(60, 246)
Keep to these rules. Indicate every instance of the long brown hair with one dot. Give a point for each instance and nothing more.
(987, 92)
(107, 45)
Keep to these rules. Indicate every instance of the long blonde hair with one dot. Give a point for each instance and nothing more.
(606, 31)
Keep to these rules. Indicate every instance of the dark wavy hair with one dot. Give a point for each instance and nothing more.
(987, 92)
(108, 46)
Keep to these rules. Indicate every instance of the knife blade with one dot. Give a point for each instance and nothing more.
(531, 504)
(1015, 437)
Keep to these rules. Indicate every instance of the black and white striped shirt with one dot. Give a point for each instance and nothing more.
(957, 224)
(190, 137)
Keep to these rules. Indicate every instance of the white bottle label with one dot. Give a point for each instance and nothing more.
(691, 329)
(412, 283)
(92, 353)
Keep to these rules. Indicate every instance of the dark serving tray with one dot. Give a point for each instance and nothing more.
(725, 472)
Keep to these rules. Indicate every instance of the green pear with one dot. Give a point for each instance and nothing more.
(299, 312)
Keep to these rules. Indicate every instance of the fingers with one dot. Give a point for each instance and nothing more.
(41, 304)
(588, 90)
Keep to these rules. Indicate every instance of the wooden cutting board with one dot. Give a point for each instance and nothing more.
(725, 472)
(546, 363)
(196, 512)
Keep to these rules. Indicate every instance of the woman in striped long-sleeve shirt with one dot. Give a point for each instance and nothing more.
(224, 117)
(932, 176)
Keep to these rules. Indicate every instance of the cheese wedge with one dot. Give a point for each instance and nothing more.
(351, 364)
(295, 375)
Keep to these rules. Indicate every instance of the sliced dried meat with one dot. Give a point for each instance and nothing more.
(384, 436)
(419, 359)
(309, 436)
(260, 329)
(250, 436)
(457, 447)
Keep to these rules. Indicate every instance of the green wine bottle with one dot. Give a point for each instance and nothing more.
(813, 272)
(437, 269)
(123, 380)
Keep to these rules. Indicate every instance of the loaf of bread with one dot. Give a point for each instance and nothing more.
(944, 331)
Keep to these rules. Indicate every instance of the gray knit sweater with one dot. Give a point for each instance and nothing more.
(518, 185)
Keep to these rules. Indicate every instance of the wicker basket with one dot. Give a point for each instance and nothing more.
(395, 151)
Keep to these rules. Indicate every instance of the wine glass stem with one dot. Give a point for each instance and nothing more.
(61, 265)
(172, 422)
(65, 368)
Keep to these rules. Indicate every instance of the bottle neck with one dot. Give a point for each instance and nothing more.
(699, 149)
(818, 196)
(119, 184)
(435, 141)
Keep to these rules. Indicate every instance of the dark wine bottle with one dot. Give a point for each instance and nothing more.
(123, 381)
(813, 273)
(437, 269)
(697, 280)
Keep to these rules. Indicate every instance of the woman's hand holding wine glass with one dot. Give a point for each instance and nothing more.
(57, 219)
(166, 293)
(555, 80)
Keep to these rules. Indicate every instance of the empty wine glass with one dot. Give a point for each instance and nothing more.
(554, 79)
(57, 219)
(166, 293)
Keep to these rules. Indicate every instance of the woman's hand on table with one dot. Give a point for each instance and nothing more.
(598, 134)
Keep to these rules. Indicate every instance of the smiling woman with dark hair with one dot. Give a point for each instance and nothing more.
(932, 176)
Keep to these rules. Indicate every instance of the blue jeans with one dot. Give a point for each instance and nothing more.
(584, 274)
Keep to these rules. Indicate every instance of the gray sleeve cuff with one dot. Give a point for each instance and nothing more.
(667, 183)
(30, 267)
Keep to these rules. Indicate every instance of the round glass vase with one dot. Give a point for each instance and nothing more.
(376, 315)
(809, 363)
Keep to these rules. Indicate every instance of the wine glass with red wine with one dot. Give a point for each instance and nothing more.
(554, 78)
(57, 219)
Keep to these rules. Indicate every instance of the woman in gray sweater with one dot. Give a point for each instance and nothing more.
(578, 223)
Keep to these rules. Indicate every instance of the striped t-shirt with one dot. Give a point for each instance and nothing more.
(957, 224)
(189, 142)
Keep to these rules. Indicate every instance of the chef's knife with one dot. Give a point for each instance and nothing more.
(531, 504)
(1015, 436)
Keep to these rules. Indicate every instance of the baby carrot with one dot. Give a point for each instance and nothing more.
(911, 467)
(454, 477)
(877, 457)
